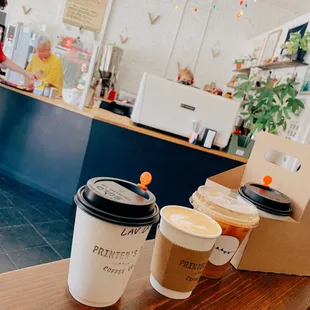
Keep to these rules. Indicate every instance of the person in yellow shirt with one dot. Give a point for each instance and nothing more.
(47, 65)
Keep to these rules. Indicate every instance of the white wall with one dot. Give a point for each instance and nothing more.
(231, 33)
(48, 12)
(264, 15)
(178, 36)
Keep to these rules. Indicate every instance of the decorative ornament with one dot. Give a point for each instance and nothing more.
(216, 49)
(124, 36)
(195, 10)
(241, 3)
(153, 19)
(26, 10)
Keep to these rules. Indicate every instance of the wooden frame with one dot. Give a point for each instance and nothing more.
(273, 38)
(301, 29)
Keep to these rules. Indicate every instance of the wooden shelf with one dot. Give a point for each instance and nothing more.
(253, 88)
(275, 65)
(283, 64)
(245, 70)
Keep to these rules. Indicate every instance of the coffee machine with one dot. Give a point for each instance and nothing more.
(109, 68)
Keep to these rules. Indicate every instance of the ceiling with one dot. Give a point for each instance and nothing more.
(295, 6)
(265, 15)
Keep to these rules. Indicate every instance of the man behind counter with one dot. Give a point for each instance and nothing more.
(47, 65)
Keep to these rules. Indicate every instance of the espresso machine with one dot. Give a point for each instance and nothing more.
(109, 68)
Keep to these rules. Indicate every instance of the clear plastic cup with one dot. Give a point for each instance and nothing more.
(236, 217)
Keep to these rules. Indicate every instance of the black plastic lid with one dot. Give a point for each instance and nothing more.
(267, 199)
(118, 201)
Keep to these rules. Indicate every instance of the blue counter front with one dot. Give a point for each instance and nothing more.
(42, 145)
(56, 148)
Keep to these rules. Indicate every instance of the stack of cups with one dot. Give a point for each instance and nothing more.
(183, 245)
(113, 220)
(236, 217)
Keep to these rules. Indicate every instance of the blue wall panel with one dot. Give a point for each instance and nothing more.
(42, 145)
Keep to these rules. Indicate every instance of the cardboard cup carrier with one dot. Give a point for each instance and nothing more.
(112, 222)
(236, 217)
(184, 242)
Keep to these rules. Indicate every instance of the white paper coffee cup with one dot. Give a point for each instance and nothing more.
(106, 246)
(181, 237)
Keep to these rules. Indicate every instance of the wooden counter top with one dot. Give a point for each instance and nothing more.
(56, 102)
(124, 122)
(45, 287)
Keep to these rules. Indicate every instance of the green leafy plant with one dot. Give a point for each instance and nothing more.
(268, 108)
(250, 57)
(293, 44)
(304, 42)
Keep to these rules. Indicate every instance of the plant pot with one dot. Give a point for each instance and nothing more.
(239, 65)
(293, 57)
(301, 55)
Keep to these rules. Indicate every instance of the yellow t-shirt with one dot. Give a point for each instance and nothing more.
(50, 69)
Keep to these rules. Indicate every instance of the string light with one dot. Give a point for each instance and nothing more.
(241, 3)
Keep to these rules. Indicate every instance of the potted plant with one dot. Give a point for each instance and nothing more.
(239, 62)
(292, 45)
(268, 108)
(304, 46)
(250, 60)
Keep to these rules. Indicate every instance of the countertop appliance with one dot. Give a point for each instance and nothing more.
(176, 108)
(110, 67)
(19, 46)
